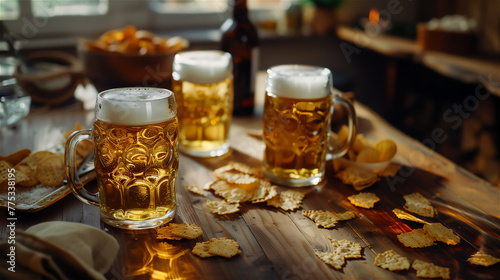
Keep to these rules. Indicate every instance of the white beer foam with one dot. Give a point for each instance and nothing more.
(202, 67)
(135, 106)
(299, 81)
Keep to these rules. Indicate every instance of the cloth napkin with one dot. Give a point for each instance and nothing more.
(59, 250)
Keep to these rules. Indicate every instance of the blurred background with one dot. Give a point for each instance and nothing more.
(429, 67)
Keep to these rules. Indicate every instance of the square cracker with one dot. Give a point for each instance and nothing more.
(430, 270)
(392, 261)
(441, 233)
(223, 247)
(417, 238)
(178, 231)
(483, 259)
(418, 204)
(364, 199)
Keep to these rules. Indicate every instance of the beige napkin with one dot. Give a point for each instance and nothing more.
(59, 250)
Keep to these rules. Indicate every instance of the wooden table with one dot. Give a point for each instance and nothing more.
(276, 244)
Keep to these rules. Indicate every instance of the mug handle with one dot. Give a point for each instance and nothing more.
(353, 125)
(74, 183)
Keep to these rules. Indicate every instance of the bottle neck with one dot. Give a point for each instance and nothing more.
(240, 10)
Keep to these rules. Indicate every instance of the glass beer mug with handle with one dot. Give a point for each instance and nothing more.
(297, 113)
(135, 137)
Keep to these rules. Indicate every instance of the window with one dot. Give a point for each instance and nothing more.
(50, 8)
(33, 21)
(9, 9)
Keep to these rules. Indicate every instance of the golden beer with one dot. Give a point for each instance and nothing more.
(135, 136)
(136, 167)
(296, 134)
(203, 87)
(297, 113)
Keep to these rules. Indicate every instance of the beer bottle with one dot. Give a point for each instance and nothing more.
(240, 39)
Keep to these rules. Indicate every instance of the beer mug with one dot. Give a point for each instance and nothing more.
(135, 137)
(202, 82)
(297, 114)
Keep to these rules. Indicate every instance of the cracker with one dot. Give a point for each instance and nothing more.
(201, 249)
(50, 171)
(441, 233)
(195, 189)
(30, 173)
(341, 250)
(178, 231)
(4, 171)
(217, 247)
(327, 219)
(17, 157)
(483, 259)
(223, 247)
(364, 199)
(230, 192)
(331, 259)
(264, 192)
(34, 158)
(347, 249)
(429, 270)
(417, 238)
(222, 207)
(407, 216)
(287, 200)
(392, 261)
(418, 204)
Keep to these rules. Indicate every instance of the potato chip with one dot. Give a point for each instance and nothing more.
(429, 270)
(359, 143)
(331, 259)
(194, 189)
(288, 200)
(417, 238)
(364, 199)
(418, 204)
(17, 157)
(441, 233)
(177, 231)
(386, 148)
(244, 181)
(368, 155)
(34, 158)
(483, 259)
(30, 173)
(392, 261)
(327, 219)
(223, 247)
(51, 171)
(407, 216)
(222, 207)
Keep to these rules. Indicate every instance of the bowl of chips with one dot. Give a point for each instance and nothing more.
(365, 162)
(129, 57)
